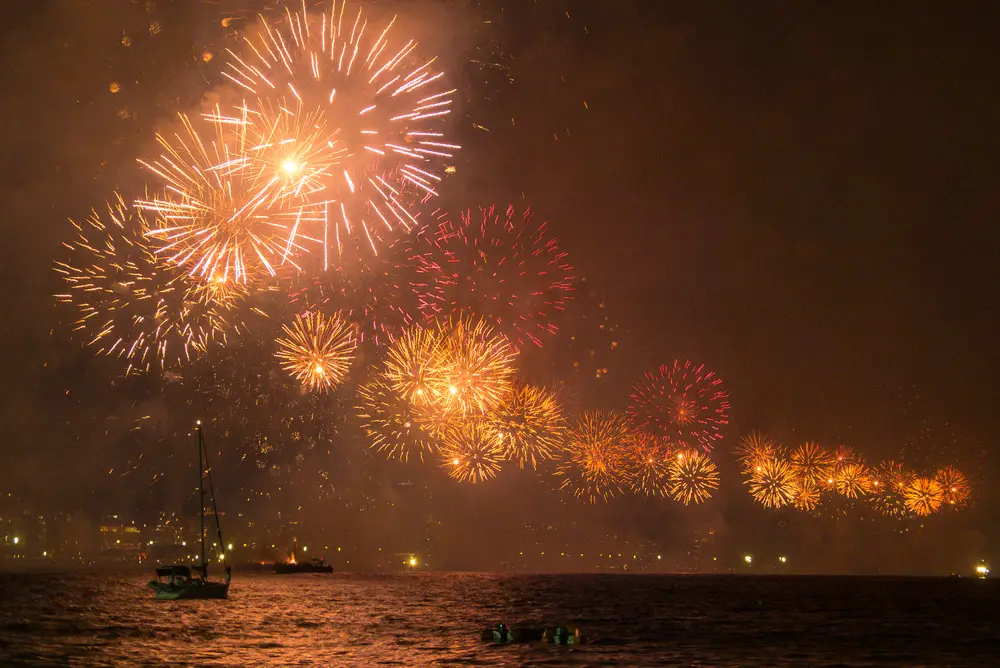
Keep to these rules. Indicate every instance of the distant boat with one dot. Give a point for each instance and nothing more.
(293, 565)
(173, 582)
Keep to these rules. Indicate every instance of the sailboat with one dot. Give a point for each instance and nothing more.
(179, 581)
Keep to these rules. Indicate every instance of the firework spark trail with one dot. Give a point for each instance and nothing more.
(693, 477)
(392, 108)
(317, 350)
(807, 495)
(390, 422)
(682, 403)
(530, 424)
(593, 467)
(773, 483)
(504, 266)
(131, 305)
(924, 496)
(472, 452)
(222, 213)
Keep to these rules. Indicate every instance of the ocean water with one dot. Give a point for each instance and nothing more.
(426, 619)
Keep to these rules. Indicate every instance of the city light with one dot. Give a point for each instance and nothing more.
(229, 547)
(305, 549)
(16, 540)
(748, 558)
(982, 570)
(782, 559)
(412, 562)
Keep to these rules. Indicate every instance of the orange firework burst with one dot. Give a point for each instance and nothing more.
(954, 486)
(472, 452)
(413, 366)
(392, 424)
(852, 480)
(132, 306)
(773, 483)
(222, 213)
(889, 482)
(693, 477)
(478, 363)
(390, 106)
(647, 464)
(806, 496)
(317, 350)
(811, 462)
(593, 467)
(754, 449)
(924, 496)
(530, 424)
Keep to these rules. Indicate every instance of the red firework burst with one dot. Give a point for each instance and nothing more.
(682, 403)
(504, 266)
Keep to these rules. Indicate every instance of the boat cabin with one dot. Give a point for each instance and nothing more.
(175, 575)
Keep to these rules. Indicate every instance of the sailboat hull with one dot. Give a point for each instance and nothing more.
(167, 591)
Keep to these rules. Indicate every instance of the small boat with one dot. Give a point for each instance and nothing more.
(293, 565)
(175, 582)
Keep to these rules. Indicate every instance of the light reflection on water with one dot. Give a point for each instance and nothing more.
(435, 618)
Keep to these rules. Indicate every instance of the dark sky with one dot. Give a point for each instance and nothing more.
(801, 195)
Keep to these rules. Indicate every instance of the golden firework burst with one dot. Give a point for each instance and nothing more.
(478, 364)
(924, 496)
(773, 483)
(852, 480)
(392, 424)
(647, 464)
(755, 448)
(415, 365)
(889, 482)
(954, 486)
(472, 452)
(317, 350)
(807, 495)
(530, 424)
(693, 477)
(595, 457)
(811, 462)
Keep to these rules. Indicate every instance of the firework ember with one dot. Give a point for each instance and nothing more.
(812, 463)
(648, 464)
(391, 422)
(924, 496)
(478, 364)
(682, 403)
(317, 350)
(773, 483)
(954, 486)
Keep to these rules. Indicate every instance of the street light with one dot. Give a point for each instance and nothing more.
(748, 558)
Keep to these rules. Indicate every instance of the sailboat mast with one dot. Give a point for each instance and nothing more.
(201, 498)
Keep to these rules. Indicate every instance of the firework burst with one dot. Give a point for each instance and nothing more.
(390, 147)
(472, 452)
(647, 464)
(503, 266)
(807, 496)
(773, 483)
(682, 403)
(530, 424)
(889, 482)
(811, 462)
(222, 213)
(954, 486)
(754, 449)
(693, 477)
(852, 480)
(391, 423)
(133, 307)
(592, 469)
(924, 496)
(478, 364)
(317, 350)
(413, 366)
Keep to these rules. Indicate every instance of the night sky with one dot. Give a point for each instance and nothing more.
(802, 196)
